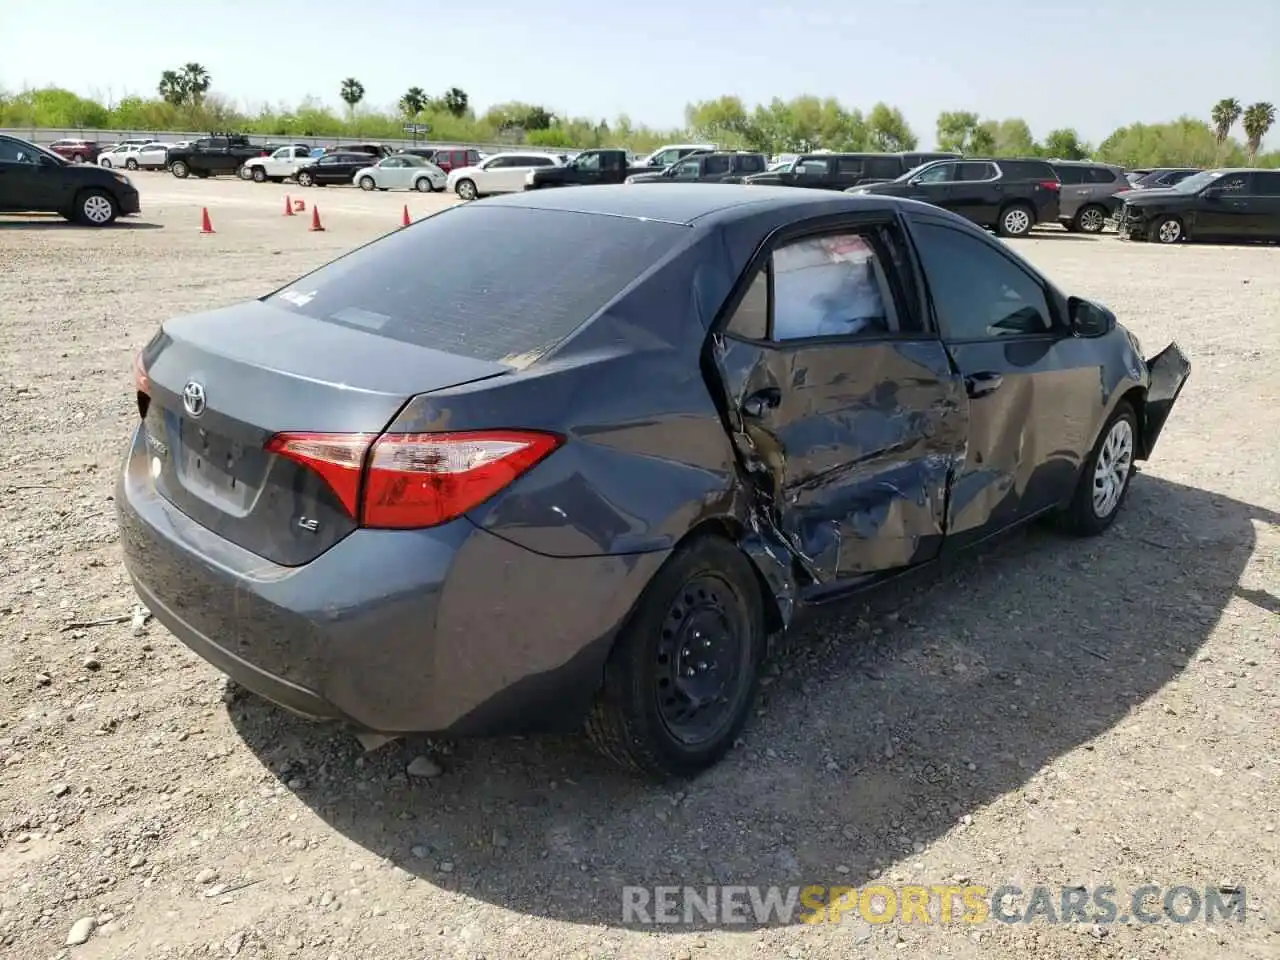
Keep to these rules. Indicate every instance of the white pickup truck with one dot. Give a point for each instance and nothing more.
(277, 167)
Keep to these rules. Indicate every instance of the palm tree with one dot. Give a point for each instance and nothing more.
(455, 101)
(1258, 120)
(1225, 114)
(172, 88)
(197, 81)
(413, 102)
(352, 93)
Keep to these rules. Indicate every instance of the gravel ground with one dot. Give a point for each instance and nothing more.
(1056, 712)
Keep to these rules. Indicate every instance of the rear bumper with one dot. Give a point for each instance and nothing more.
(451, 630)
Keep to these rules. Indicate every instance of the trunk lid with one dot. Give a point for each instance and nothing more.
(253, 370)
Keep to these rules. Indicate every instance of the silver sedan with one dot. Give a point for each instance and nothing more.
(401, 172)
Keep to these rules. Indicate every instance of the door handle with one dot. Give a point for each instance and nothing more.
(980, 384)
(762, 401)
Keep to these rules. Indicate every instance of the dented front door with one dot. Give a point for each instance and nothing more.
(851, 445)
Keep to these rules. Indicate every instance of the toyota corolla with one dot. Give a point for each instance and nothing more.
(586, 479)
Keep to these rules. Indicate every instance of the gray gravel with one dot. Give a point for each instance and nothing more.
(1055, 712)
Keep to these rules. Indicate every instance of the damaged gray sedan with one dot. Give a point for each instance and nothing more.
(585, 478)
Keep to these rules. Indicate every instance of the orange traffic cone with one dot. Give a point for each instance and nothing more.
(288, 206)
(316, 225)
(405, 221)
(206, 225)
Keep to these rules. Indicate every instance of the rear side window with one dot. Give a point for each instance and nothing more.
(1027, 170)
(716, 165)
(752, 163)
(885, 168)
(1103, 175)
(507, 294)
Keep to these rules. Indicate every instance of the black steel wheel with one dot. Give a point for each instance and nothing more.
(683, 675)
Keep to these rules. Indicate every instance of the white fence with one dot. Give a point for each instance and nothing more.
(46, 135)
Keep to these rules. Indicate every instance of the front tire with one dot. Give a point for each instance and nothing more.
(96, 208)
(305, 179)
(179, 169)
(1090, 219)
(1105, 476)
(367, 184)
(1167, 230)
(131, 164)
(683, 675)
(1016, 220)
(466, 189)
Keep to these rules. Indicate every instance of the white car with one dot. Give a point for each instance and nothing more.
(153, 156)
(121, 155)
(403, 171)
(280, 166)
(664, 156)
(500, 173)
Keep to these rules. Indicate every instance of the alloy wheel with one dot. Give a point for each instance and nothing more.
(1017, 222)
(1170, 231)
(97, 209)
(1111, 471)
(1091, 220)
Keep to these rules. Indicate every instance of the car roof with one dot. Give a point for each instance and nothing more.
(692, 203)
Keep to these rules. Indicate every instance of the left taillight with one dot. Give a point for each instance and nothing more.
(415, 480)
(141, 384)
(1051, 185)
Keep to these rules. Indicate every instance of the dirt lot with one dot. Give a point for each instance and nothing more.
(1057, 712)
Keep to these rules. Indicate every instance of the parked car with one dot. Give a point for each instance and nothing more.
(500, 173)
(402, 172)
(77, 151)
(450, 158)
(327, 487)
(668, 154)
(36, 180)
(1088, 195)
(282, 164)
(426, 153)
(331, 169)
(136, 141)
(1230, 204)
(1162, 177)
(825, 170)
(375, 150)
(122, 155)
(588, 168)
(1008, 196)
(153, 156)
(214, 156)
(722, 167)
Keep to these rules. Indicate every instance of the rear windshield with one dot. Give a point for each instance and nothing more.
(486, 282)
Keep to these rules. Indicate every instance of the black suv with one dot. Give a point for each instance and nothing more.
(724, 166)
(35, 180)
(1239, 204)
(839, 171)
(1008, 196)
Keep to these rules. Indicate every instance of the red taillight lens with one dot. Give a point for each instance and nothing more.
(140, 379)
(417, 479)
(1051, 184)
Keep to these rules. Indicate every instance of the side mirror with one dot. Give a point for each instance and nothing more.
(1089, 319)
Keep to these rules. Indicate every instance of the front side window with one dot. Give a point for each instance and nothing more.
(588, 161)
(1070, 176)
(11, 151)
(495, 163)
(667, 157)
(978, 293)
(717, 165)
(937, 174)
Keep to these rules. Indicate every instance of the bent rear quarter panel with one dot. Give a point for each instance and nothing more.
(646, 455)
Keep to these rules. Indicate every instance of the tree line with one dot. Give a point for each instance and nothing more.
(184, 101)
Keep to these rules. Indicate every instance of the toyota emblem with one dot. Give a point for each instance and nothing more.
(193, 398)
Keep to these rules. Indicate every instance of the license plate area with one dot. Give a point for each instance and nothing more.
(216, 468)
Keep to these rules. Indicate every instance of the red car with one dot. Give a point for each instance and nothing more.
(77, 151)
(449, 158)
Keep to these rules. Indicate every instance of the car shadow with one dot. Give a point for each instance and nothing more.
(57, 223)
(1052, 234)
(882, 726)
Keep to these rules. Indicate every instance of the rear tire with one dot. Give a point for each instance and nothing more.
(1105, 477)
(697, 633)
(259, 175)
(1016, 220)
(1090, 218)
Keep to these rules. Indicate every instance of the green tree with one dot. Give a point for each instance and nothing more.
(455, 101)
(1064, 144)
(413, 102)
(888, 129)
(196, 81)
(955, 130)
(172, 88)
(1258, 120)
(1013, 139)
(352, 93)
(1225, 113)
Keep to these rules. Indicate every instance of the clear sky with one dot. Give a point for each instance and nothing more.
(1088, 64)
